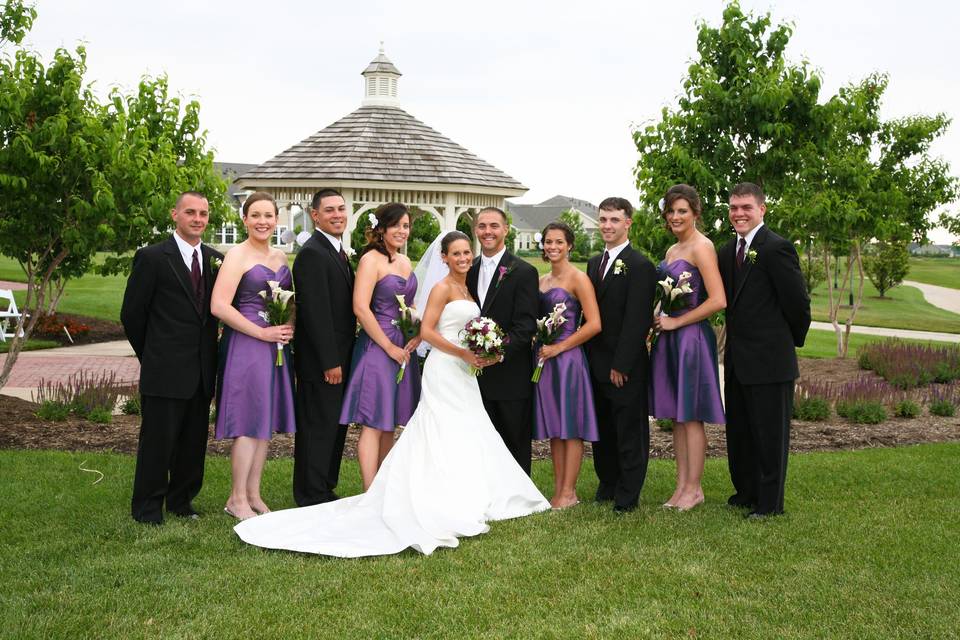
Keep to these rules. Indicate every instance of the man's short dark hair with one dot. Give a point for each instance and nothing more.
(320, 195)
(617, 204)
(496, 209)
(748, 189)
(184, 194)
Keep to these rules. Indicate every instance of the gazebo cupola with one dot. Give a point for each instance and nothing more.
(380, 82)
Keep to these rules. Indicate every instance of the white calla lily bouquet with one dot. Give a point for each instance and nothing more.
(548, 328)
(277, 310)
(671, 296)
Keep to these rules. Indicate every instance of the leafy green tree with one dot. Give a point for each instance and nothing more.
(833, 171)
(78, 176)
(887, 265)
(582, 242)
(743, 112)
(425, 228)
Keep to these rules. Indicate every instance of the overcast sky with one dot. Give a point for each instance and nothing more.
(546, 91)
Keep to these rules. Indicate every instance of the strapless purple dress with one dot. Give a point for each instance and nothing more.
(684, 381)
(254, 397)
(373, 397)
(563, 399)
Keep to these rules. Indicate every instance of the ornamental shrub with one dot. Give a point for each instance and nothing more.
(906, 409)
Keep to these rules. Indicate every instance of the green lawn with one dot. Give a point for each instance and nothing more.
(823, 344)
(864, 551)
(944, 272)
(31, 345)
(902, 308)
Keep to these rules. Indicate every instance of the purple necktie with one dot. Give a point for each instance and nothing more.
(603, 264)
(196, 277)
(743, 245)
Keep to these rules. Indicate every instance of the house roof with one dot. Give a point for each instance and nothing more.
(382, 143)
(230, 171)
(534, 217)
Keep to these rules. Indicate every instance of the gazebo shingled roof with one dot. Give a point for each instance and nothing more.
(382, 143)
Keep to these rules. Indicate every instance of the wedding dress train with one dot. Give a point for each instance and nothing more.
(447, 476)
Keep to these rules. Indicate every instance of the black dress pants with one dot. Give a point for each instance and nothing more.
(622, 453)
(758, 440)
(170, 454)
(318, 443)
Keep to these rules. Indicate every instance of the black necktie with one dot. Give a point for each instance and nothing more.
(343, 254)
(740, 250)
(196, 277)
(603, 265)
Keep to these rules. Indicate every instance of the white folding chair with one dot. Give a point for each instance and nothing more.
(9, 317)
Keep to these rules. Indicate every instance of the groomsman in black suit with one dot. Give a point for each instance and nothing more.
(323, 341)
(166, 316)
(624, 280)
(768, 315)
(507, 290)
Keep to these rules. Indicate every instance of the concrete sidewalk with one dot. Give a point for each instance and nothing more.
(893, 333)
(943, 297)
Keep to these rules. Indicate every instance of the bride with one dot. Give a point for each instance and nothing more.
(449, 473)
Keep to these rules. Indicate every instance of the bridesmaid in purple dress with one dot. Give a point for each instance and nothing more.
(563, 398)
(374, 399)
(254, 396)
(684, 382)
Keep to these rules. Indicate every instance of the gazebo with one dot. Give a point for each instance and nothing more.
(378, 154)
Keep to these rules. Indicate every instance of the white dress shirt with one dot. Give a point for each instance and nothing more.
(186, 252)
(612, 257)
(749, 239)
(488, 267)
(334, 240)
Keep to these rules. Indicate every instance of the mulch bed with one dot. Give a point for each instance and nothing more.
(21, 429)
(99, 330)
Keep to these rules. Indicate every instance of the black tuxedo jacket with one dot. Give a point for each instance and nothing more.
(626, 313)
(768, 310)
(174, 337)
(325, 324)
(512, 302)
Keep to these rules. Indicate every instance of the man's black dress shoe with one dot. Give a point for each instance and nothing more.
(604, 494)
(736, 500)
(762, 515)
(187, 512)
(619, 508)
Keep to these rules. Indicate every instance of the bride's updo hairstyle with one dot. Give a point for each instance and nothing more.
(388, 215)
(450, 238)
(259, 196)
(682, 192)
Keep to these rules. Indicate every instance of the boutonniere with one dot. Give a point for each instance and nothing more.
(504, 272)
(215, 263)
(752, 256)
(349, 251)
(619, 266)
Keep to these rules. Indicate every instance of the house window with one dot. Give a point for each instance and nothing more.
(277, 234)
(227, 234)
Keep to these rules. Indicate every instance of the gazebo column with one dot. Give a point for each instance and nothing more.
(449, 212)
(351, 219)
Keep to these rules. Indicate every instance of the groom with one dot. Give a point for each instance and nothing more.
(767, 315)
(624, 280)
(323, 340)
(166, 316)
(507, 290)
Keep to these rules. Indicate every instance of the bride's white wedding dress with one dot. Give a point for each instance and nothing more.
(448, 475)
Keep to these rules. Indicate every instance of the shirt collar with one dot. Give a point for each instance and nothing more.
(334, 240)
(186, 249)
(750, 236)
(495, 259)
(615, 251)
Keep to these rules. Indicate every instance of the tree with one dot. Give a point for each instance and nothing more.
(834, 173)
(743, 112)
(582, 242)
(887, 266)
(78, 176)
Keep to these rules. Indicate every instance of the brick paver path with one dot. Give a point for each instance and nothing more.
(30, 368)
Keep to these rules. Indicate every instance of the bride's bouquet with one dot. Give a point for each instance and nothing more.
(484, 338)
(278, 310)
(409, 324)
(671, 296)
(548, 328)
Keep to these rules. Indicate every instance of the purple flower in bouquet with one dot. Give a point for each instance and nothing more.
(483, 337)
